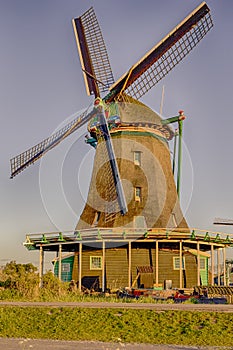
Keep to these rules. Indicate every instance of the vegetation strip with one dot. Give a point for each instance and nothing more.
(19, 283)
(118, 325)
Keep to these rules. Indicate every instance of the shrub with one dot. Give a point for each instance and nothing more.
(21, 279)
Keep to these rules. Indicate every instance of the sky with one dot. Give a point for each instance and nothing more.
(41, 88)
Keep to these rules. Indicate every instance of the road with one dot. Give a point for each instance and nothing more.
(33, 344)
(120, 305)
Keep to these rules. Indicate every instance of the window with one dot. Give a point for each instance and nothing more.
(95, 262)
(174, 219)
(96, 219)
(176, 263)
(138, 194)
(65, 267)
(137, 158)
(202, 263)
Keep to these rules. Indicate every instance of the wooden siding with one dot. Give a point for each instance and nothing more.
(116, 266)
(86, 271)
(143, 256)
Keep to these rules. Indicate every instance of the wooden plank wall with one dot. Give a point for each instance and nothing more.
(116, 266)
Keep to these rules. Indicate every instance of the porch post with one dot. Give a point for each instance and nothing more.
(227, 274)
(198, 263)
(181, 266)
(80, 267)
(41, 267)
(59, 261)
(103, 267)
(212, 264)
(130, 265)
(224, 266)
(218, 262)
(157, 262)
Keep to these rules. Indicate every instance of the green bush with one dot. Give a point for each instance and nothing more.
(19, 281)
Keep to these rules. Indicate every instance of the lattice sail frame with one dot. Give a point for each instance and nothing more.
(93, 54)
(23, 160)
(163, 57)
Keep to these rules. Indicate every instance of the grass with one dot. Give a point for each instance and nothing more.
(118, 325)
(76, 296)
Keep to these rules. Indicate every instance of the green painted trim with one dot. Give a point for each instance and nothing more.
(78, 235)
(180, 123)
(60, 238)
(44, 239)
(207, 237)
(174, 154)
(193, 236)
(170, 120)
(227, 240)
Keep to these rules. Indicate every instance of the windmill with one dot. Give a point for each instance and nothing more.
(132, 180)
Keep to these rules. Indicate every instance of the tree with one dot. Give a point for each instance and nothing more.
(23, 279)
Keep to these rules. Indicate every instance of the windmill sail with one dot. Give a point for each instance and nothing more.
(98, 78)
(93, 55)
(23, 160)
(163, 57)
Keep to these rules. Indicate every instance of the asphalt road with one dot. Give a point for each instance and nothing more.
(26, 344)
(120, 305)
